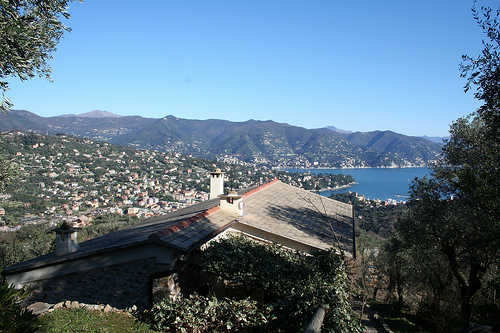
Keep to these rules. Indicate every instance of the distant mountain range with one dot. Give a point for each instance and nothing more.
(264, 142)
(338, 130)
(94, 114)
(437, 139)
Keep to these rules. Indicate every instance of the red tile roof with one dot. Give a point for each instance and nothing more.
(185, 223)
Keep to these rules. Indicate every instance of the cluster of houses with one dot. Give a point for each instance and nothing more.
(73, 181)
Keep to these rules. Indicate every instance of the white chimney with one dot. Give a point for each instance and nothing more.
(216, 183)
(66, 239)
(232, 202)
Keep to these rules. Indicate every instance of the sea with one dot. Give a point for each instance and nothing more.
(376, 183)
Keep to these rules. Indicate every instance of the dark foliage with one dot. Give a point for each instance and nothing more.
(373, 215)
(208, 314)
(287, 286)
(483, 71)
(13, 316)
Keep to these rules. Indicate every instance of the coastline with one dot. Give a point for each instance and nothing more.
(373, 183)
(352, 168)
(340, 187)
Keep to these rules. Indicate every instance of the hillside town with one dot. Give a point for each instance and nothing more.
(63, 178)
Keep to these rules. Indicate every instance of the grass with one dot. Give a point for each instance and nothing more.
(82, 320)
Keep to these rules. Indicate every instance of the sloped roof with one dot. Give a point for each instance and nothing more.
(146, 232)
(274, 207)
(300, 215)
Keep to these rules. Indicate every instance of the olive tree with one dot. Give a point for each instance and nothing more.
(483, 71)
(456, 213)
(29, 33)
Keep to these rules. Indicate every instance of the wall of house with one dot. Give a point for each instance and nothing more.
(120, 286)
(121, 279)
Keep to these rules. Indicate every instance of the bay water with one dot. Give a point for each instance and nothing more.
(375, 183)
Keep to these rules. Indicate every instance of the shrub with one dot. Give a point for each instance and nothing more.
(278, 289)
(208, 314)
(293, 283)
(13, 315)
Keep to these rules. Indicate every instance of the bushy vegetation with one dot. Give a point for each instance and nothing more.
(7, 173)
(13, 316)
(28, 242)
(373, 215)
(284, 288)
(198, 313)
(241, 286)
(405, 274)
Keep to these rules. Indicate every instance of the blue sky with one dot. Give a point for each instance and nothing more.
(358, 65)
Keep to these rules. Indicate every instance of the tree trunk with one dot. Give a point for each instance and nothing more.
(468, 285)
(399, 288)
(390, 290)
(375, 292)
(436, 300)
(466, 310)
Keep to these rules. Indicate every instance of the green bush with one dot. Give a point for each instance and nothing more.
(13, 316)
(293, 283)
(278, 289)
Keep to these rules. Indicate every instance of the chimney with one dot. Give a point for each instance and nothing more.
(66, 239)
(216, 183)
(232, 202)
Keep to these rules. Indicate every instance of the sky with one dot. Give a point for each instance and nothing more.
(356, 65)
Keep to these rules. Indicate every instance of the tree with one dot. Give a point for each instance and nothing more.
(436, 228)
(29, 33)
(455, 213)
(483, 72)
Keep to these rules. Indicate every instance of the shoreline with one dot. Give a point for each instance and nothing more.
(336, 188)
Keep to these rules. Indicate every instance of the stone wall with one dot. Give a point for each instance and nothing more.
(120, 286)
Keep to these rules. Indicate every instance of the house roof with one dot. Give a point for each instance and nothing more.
(274, 207)
(300, 215)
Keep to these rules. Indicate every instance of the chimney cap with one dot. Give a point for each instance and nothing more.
(232, 194)
(65, 228)
(217, 171)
